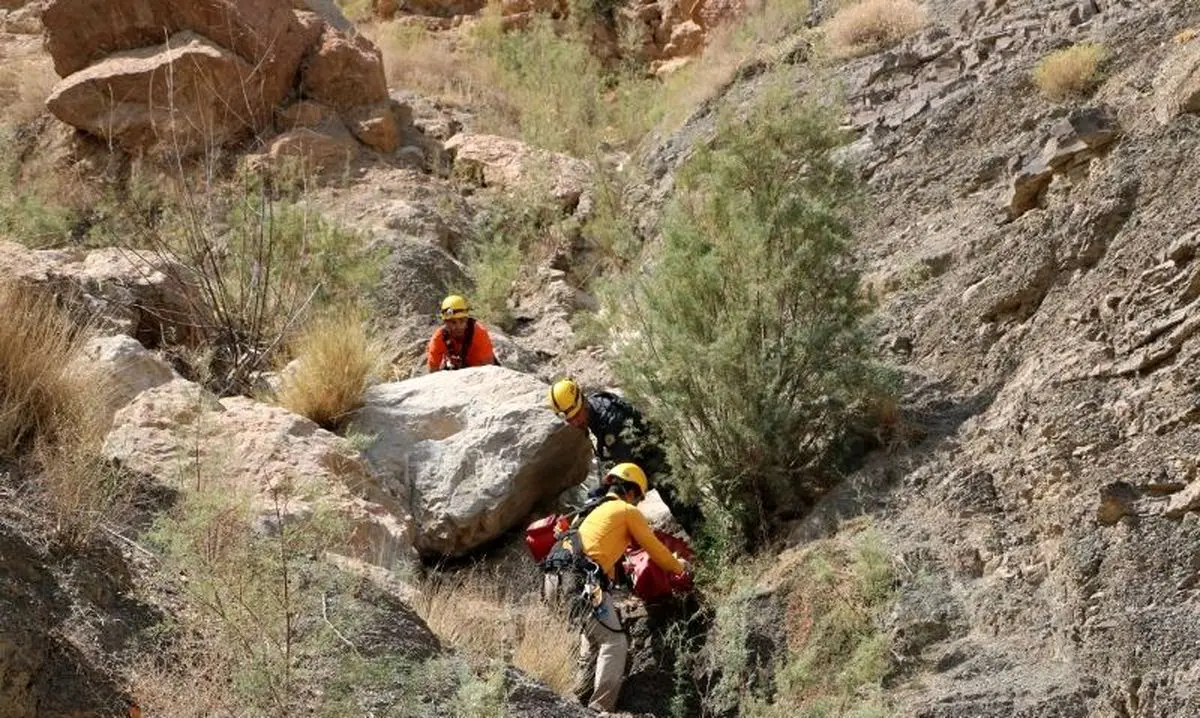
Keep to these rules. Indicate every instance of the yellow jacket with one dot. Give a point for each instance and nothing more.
(610, 528)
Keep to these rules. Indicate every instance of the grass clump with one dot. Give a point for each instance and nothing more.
(336, 362)
(482, 619)
(751, 351)
(1071, 72)
(832, 596)
(53, 415)
(869, 26)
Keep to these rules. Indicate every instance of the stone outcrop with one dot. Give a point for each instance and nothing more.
(179, 434)
(128, 368)
(491, 161)
(187, 76)
(1074, 141)
(119, 291)
(474, 451)
(1177, 88)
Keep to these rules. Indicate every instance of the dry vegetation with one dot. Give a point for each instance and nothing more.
(831, 596)
(873, 25)
(482, 620)
(1071, 72)
(336, 361)
(53, 415)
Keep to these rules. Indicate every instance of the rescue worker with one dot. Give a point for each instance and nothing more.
(621, 434)
(461, 341)
(587, 556)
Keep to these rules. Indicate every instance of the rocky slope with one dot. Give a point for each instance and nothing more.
(1034, 266)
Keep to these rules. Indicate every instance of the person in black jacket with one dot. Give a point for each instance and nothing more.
(621, 434)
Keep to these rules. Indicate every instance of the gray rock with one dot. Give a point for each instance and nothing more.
(472, 450)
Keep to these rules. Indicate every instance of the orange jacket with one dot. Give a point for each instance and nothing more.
(446, 353)
(610, 527)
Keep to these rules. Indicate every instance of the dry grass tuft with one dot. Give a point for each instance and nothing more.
(1071, 72)
(40, 398)
(484, 623)
(873, 25)
(53, 415)
(337, 360)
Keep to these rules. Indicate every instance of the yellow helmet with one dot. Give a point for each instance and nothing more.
(566, 398)
(631, 473)
(455, 307)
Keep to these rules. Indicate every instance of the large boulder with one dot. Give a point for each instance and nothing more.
(180, 435)
(164, 94)
(186, 76)
(267, 34)
(475, 451)
(345, 72)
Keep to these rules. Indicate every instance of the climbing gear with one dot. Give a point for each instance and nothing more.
(566, 398)
(567, 558)
(630, 473)
(458, 360)
(454, 307)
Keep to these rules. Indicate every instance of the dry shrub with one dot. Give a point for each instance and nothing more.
(53, 414)
(1070, 72)
(39, 396)
(873, 25)
(25, 83)
(336, 361)
(485, 623)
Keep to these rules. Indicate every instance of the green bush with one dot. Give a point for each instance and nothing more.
(747, 338)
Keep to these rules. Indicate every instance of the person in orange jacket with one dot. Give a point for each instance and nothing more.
(587, 557)
(461, 341)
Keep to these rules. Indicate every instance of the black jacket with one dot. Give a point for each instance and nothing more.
(622, 434)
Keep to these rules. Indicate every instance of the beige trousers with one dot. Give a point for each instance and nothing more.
(603, 650)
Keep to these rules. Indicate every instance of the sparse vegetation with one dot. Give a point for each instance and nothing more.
(336, 362)
(869, 26)
(1071, 72)
(750, 348)
(832, 595)
(482, 619)
(25, 83)
(255, 265)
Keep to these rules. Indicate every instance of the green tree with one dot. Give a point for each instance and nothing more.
(748, 335)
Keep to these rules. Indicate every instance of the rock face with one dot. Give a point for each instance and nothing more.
(1049, 358)
(122, 292)
(1177, 88)
(474, 450)
(180, 434)
(130, 369)
(189, 75)
(491, 161)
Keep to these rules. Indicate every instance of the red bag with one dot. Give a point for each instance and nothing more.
(540, 535)
(651, 582)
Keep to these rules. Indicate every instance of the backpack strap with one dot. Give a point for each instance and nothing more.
(461, 356)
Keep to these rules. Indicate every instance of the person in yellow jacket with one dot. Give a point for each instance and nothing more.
(603, 535)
